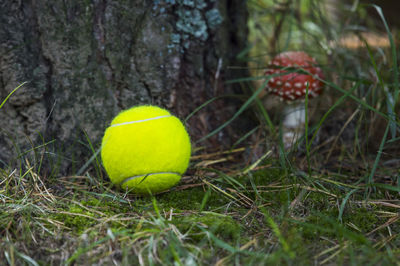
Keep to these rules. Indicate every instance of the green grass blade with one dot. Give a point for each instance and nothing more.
(393, 51)
(278, 234)
(333, 107)
(240, 111)
(391, 100)
(200, 107)
(27, 259)
(308, 145)
(385, 186)
(83, 250)
(218, 242)
(343, 205)
(356, 99)
(11, 93)
(378, 155)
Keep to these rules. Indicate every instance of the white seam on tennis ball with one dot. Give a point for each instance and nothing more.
(139, 176)
(140, 121)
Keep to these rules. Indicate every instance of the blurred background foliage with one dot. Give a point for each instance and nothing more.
(354, 42)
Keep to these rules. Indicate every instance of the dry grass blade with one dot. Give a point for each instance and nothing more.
(236, 200)
(207, 156)
(340, 133)
(386, 224)
(224, 261)
(336, 253)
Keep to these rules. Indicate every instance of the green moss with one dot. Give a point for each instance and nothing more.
(298, 244)
(191, 199)
(221, 226)
(76, 218)
(326, 224)
(265, 177)
(273, 186)
(364, 219)
(79, 219)
(93, 202)
(319, 201)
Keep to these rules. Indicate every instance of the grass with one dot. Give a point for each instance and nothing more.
(332, 199)
(264, 216)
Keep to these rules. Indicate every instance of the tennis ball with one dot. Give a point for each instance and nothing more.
(145, 150)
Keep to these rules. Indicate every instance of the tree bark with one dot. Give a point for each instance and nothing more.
(87, 60)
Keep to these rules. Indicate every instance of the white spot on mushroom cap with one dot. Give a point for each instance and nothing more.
(298, 85)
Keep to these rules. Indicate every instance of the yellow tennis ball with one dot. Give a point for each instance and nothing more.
(145, 150)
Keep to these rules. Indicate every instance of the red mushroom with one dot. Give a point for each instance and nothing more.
(302, 75)
(293, 86)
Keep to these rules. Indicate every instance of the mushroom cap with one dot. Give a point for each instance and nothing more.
(293, 86)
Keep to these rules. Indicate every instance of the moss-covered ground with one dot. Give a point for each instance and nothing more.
(265, 216)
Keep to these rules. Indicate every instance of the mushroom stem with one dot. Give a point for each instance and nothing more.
(293, 124)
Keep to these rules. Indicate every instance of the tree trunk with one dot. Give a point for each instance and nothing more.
(87, 60)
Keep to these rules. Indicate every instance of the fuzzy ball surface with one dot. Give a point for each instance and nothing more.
(145, 150)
